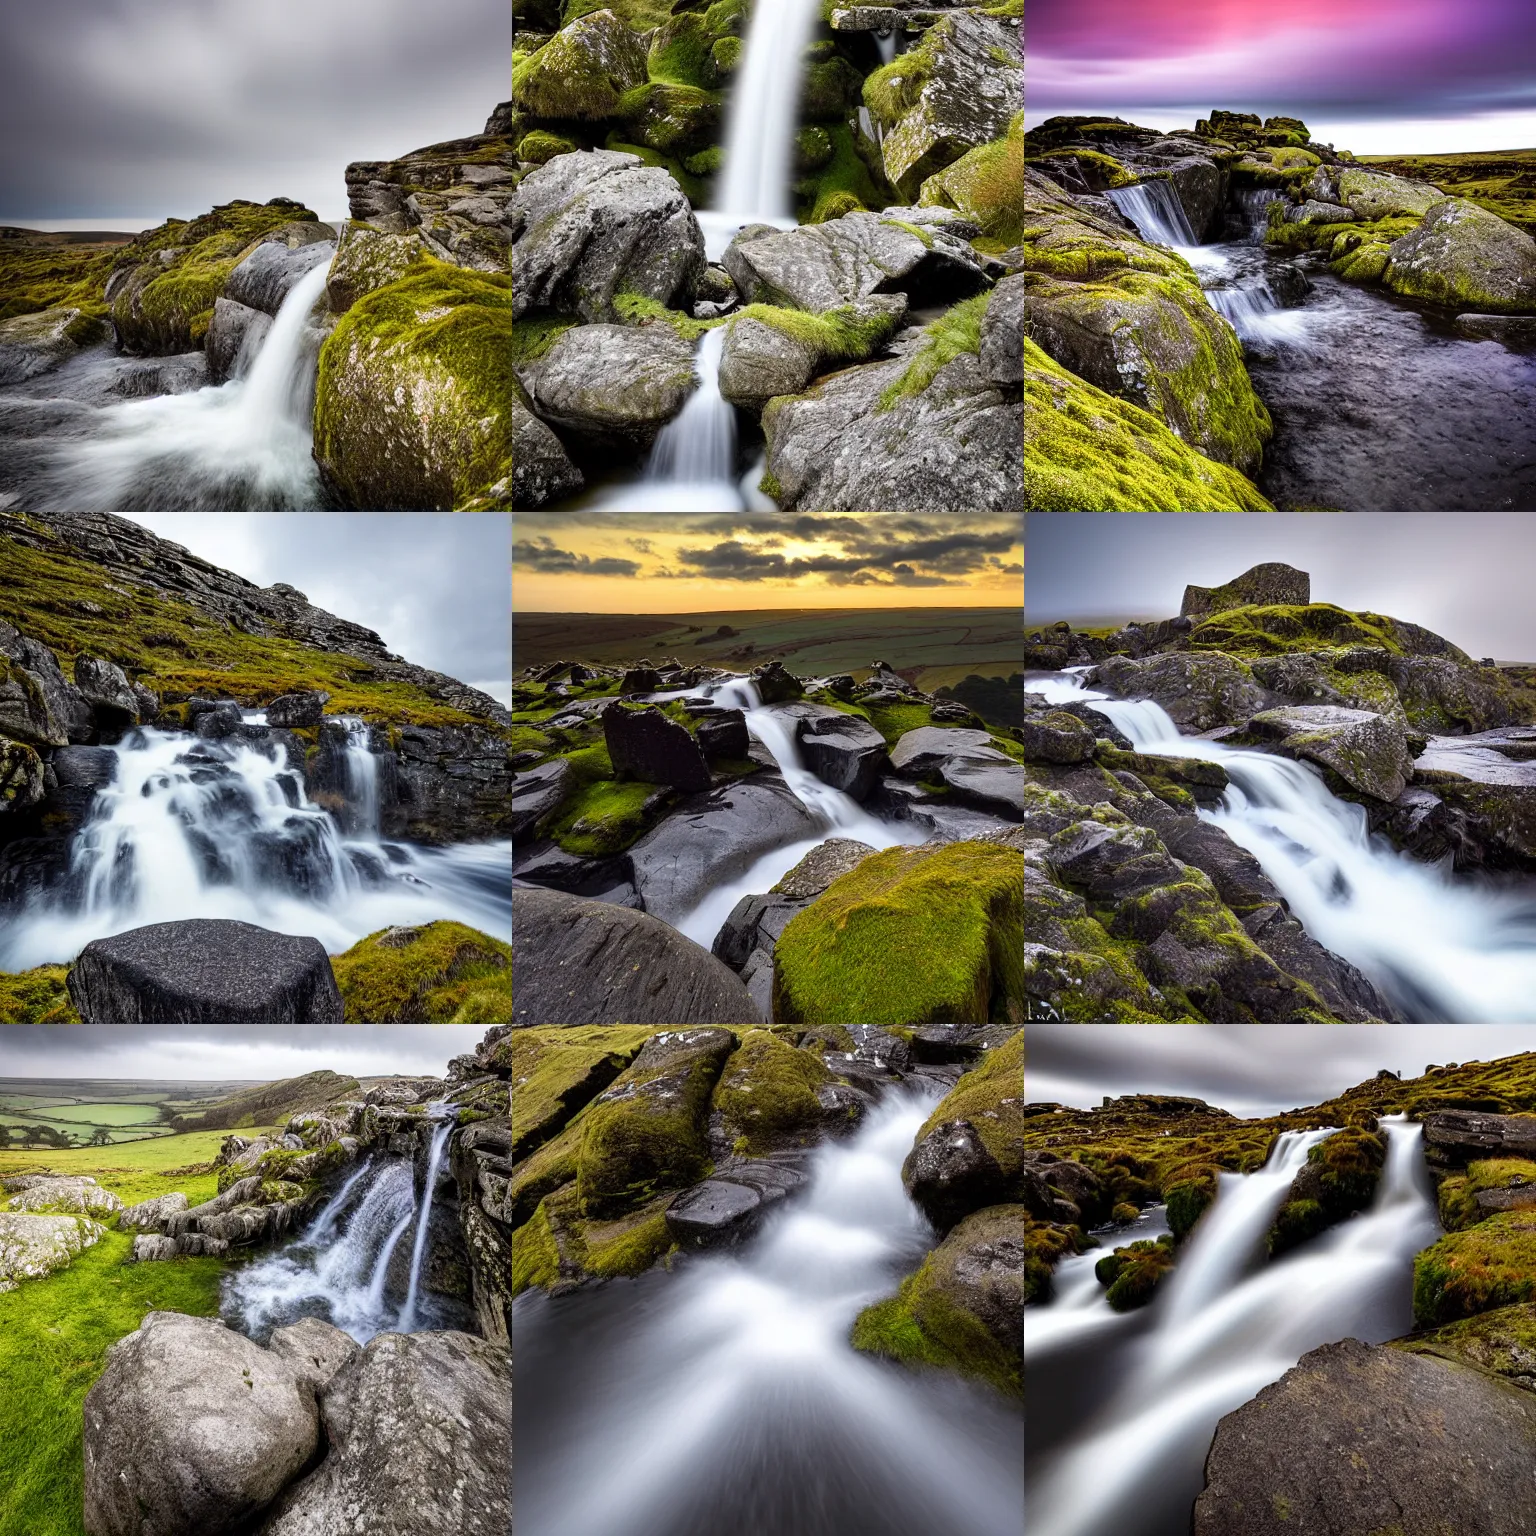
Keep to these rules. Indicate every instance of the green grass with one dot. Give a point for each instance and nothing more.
(950, 336)
(1502, 181)
(446, 974)
(108, 1114)
(38, 996)
(836, 336)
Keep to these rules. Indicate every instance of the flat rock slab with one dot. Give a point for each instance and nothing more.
(588, 962)
(728, 1207)
(78, 1196)
(33, 1246)
(205, 971)
(1358, 1438)
(1368, 751)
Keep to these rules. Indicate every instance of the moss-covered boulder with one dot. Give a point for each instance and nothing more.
(38, 996)
(1501, 1342)
(1340, 1177)
(1368, 751)
(648, 1131)
(964, 1308)
(442, 973)
(1087, 451)
(911, 936)
(1465, 257)
(1199, 690)
(367, 259)
(581, 72)
(986, 185)
(411, 403)
(165, 283)
(1492, 1264)
(767, 1096)
(1488, 1186)
(1374, 195)
(1131, 1274)
(557, 1072)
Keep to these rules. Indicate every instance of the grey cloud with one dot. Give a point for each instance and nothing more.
(541, 555)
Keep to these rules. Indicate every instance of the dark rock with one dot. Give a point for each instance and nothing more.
(66, 715)
(537, 793)
(1460, 1136)
(730, 1206)
(218, 723)
(950, 1173)
(1199, 689)
(845, 751)
(235, 336)
(645, 744)
(205, 971)
(1359, 1438)
(724, 736)
(587, 962)
(776, 686)
(1369, 752)
(105, 687)
(1057, 736)
(296, 711)
(1264, 585)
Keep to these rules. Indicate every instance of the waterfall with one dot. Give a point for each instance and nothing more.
(1226, 1325)
(839, 813)
(1245, 309)
(191, 828)
(245, 445)
(1256, 203)
(726, 1397)
(407, 1323)
(1154, 208)
(1443, 950)
(362, 770)
(763, 121)
(320, 1274)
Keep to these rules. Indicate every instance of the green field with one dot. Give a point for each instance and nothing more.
(126, 1112)
(54, 1333)
(939, 645)
(1502, 180)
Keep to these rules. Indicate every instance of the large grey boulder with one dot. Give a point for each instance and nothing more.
(1456, 1137)
(316, 1349)
(419, 1436)
(586, 226)
(976, 770)
(1312, 212)
(205, 971)
(32, 344)
(192, 1430)
(1002, 334)
(614, 382)
(235, 335)
(64, 715)
(843, 750)
(953, 447)
(826, 266)
(1465, 257)
(1199, 689)
(589, 962)
(1368, 751)
(542, 470)
(974, 85)
(24, 712)
(1377, 195)
(1359, 1438)
(105, 687)
(77, 1194)
(269, 274)
(32, 1246)
(151, 1215)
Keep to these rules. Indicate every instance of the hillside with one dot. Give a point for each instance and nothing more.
(270, 1103)
(1503, 180)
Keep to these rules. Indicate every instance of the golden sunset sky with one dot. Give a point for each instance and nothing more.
(594, 562)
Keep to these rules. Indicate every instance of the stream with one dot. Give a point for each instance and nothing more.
(1379, 405)
(1131, 1400)
(725, 1397)
(341, 1267)
(193, 828)
(69, 438)
(1442, 949)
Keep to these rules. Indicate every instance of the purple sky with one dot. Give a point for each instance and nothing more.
(1375, 76)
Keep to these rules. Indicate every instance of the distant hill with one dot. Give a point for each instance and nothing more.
(65, 236)
(270, 1103)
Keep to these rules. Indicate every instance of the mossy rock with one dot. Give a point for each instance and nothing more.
(986, 184)
(583, 71)
(38, 996)
(1501, 1342)
(990, 1098)
(766, 1095)
(410, 407)
(557, 1072)
(672, 119)
(1492, 1264)
(441, 973)
(1457, 1195)
(1086, 451)
(911, 936)
(366, 260)
(1046, 1243)
(963, 1309)
(1187, 1200)
(1131, 1275)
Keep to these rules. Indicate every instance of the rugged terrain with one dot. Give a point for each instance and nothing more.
(873, 351)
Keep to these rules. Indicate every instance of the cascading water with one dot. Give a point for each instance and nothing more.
(407, 1323)
(1227, 1324)
(189, 828)
(362, 777)
(727, 1397)
(1154, 208)
(245, 445)
(1443, 950)
(339, 1268)
(840, 813)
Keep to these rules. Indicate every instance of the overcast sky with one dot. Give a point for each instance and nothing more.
(233, 1052)
(435, 585)
(1465, 575)
(1250, 1069)
(602, 562)
(120, 113)
(1373, 76)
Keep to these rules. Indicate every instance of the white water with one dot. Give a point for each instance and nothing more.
(1444, 951)
(224, 829)
(1154, 208)
(243, 444)
(839, 813)
(740, 1372)
(763, 120)
(362, 769)
(407, 1323)
(1227, 1325)
(343, 1278)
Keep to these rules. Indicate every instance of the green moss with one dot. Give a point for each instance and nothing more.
(675, 119)
(953, 334)
(1458, 1194)
(534, 335)
(1492, 1264)
(35, 278)
(682, 53)
(1187, 1200)
(441, 337)
(911, 936)
(605, 817)
(843, 183)
(1274, 629)
(1132, 1274)
(563, 81)
(180, 652)
(556, 1073)
(893, 90)
(767, 1094)
(991, 1097)
(540, 147)
(632, 1249)
(1340, 1178)
(834, 336)
(37, 996)
(535, 1259)
(639, 309)
(444, 973)
(1045, 1245)
(54, 1338)
(987, 185)
(1086, 451)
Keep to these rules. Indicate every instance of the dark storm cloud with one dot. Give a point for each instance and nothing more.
(435, 585)
(541, 555)
(232, 1052)
(116, 108)
(1248, 1069)
(1465, 575)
